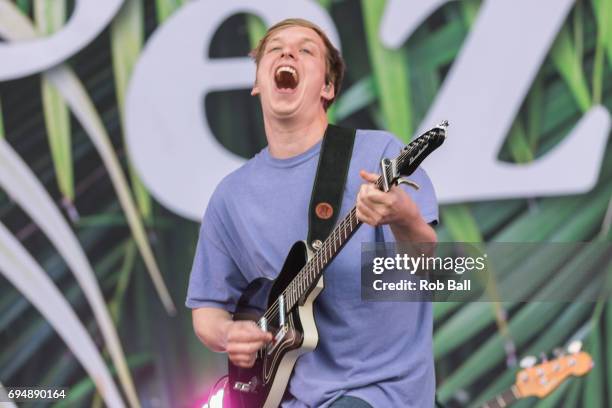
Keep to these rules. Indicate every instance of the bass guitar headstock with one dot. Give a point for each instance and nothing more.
(539, 380)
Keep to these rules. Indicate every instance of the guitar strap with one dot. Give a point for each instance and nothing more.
(328, 187)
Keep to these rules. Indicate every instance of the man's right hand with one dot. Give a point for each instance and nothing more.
(239, 339)
(243, 339)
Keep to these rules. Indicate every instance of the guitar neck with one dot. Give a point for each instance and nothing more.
(408, 160)
(311, 272)
(504, 399)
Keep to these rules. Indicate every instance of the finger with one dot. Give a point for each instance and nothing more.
(366, 214)
(244, 348)
(247, 325)
(243, 336)
(260, 335)
(247, 331)
(363, 192)
(380, 212)
(241, 356)
(243, 362)
(375, 196)
(369, 177)
(246, 336)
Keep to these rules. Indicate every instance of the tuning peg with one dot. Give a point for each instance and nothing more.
(408, 182)
(543, 357)
(558, 352)
(574, 347)
(528, 362)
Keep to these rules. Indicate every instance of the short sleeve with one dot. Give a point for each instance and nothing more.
(215, 279)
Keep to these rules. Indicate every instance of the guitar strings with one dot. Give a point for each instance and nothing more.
(310, 266)
(307, 269)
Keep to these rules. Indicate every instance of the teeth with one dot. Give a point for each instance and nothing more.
(287, 69)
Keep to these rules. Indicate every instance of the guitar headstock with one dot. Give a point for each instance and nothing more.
(416, 151)
(411, 156)
(541, 379)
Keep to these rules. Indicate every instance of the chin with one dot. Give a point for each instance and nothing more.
(285, 110)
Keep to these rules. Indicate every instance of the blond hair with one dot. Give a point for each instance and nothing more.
(334, 72)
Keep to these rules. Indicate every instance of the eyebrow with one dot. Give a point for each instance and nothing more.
(302, 41)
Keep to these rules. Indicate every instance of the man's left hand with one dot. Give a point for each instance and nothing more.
(375, 207)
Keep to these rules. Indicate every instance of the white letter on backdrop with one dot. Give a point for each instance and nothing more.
(482, 95)
(23, 58)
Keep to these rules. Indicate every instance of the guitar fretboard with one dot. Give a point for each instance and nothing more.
(307, 277)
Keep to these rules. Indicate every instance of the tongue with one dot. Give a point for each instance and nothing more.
(285, 80)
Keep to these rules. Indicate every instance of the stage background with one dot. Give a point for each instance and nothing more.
(79, 156)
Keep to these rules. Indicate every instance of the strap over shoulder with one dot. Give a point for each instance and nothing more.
(328, 187)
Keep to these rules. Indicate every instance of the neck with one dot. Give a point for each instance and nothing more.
(290, 137)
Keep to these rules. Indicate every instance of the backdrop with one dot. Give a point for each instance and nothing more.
(118, 118)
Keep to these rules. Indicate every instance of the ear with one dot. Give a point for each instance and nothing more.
(328, 92)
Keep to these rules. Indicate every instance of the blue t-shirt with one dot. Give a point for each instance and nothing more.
(378, 351)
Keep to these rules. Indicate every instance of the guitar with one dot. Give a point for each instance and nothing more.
(542, 379)
(289, 314)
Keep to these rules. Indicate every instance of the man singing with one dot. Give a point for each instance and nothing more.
(369, 354)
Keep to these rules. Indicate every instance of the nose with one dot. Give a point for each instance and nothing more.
(288, 52)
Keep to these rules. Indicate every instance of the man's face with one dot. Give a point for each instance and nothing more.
(291, 73)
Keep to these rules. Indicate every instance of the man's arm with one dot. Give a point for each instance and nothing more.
(239, 339)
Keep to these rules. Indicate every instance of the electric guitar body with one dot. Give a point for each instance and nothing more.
(264, 384)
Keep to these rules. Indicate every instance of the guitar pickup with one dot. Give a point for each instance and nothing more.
(280, 335)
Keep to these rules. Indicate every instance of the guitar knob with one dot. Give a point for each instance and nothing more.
(558, 352)
(574, 347)
(528, 362)
(543, 357)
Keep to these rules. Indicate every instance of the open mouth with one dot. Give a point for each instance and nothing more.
(286, 78)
